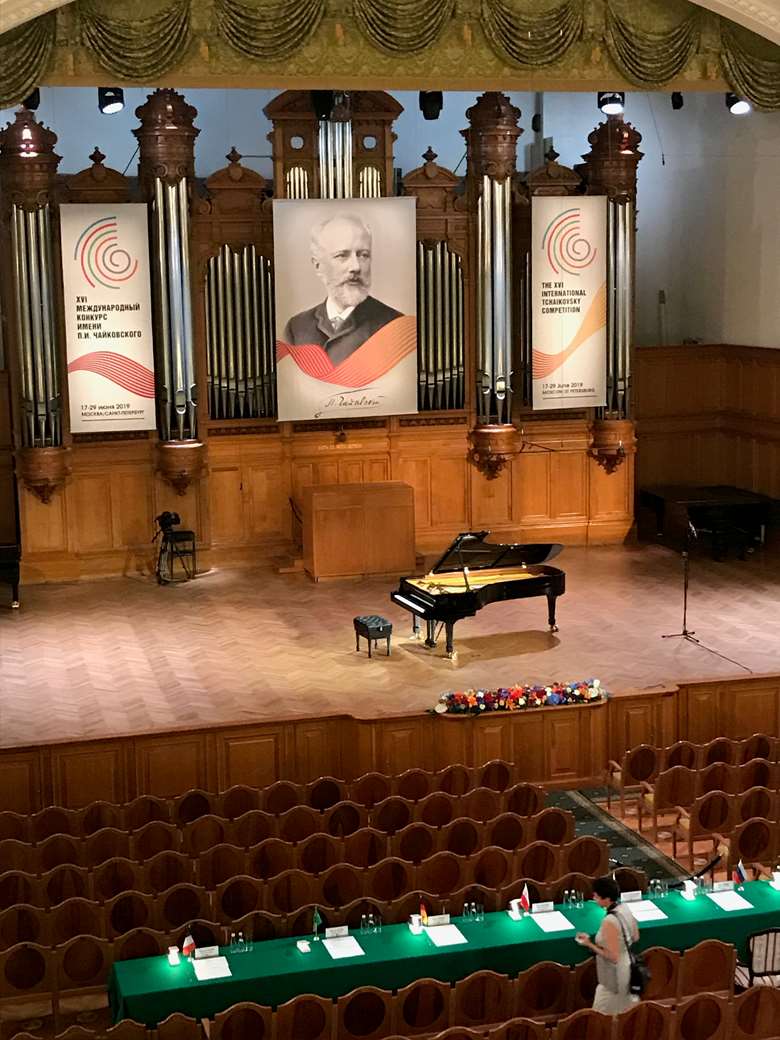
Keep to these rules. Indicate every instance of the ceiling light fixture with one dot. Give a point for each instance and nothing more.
(611, 102)
(110, 100)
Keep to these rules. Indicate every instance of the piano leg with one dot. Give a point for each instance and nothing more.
(431, 640)
(415, 627)
(551, 598)
(448, 626)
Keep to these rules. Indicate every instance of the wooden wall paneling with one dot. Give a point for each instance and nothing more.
(491, 738)
(318, 748)
(451, 741)
(401, 743)
(531, 486)
(700, 712)
(569, 486)
(45, 528)
(449, 483)
(254, 755)
(529, 745)
(642, 717)
(417, 473)
(267, 501)
(562, 738)
(167, 767)
(611, 504)
(491, 500)
(226, 504)
(83, 773)
(132, 513)
(23, 786)
(90, 507)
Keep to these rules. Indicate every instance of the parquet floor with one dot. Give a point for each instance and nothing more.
(125, 656)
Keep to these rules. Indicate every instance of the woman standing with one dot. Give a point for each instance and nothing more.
(611, 946)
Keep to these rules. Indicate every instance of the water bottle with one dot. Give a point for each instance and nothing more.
(567, 897)
(241, 943)
(480, 912)
(370, 923)
(232, 942)
(363, 923)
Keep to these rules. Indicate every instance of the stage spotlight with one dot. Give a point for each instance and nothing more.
(110, 100)
(431, 103)
(677, 100)
(322, 103)
(737, 105)
(32, 100)
(611, 102)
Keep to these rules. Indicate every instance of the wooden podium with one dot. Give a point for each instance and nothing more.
(357, 529)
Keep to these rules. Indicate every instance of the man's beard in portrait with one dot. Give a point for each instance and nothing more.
(349, 293)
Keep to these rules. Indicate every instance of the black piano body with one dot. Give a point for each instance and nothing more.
(473, 573)
(9, 570)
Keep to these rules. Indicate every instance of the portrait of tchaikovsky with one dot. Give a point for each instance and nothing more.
(348, 316)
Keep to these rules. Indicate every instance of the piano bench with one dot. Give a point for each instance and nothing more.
(371, 626)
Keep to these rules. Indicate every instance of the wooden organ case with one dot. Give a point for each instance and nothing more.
(551, 485)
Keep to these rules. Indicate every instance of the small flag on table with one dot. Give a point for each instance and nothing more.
(525, 899)
(423, 914)
(739, 874)
(188, 946)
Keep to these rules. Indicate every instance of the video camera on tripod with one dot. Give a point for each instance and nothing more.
(166, 522)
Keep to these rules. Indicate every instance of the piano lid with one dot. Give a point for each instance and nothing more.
(471, 550)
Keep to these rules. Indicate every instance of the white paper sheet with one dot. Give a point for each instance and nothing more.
(343, 946)
(554, 921)
(211, 968)
(730, 901)
(446, 935)
(645, 910)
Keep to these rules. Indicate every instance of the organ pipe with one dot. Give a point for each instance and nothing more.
(240, 340)
(335, 152)
(494, 301)
(440, 355)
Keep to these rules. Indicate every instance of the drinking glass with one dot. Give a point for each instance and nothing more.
(480, 911)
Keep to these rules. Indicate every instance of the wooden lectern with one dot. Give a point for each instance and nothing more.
(351, 530)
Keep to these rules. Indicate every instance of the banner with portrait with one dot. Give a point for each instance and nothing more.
(569, 301)
(346, 307)
(108, 317)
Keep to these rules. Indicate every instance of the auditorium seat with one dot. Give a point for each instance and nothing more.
(584, 1024)
(318, 852)
(178, 1027)
(325, 792)
(455, 779)
(26, 983)
(341, 884)
(258, 925)
(553, 825)
(509, 831)
(59, 849)
(681, 753)
(145, 809)
(489, 898)
(421, 1007)
(389, 879)
(520, 1029)
(238, 897)
(754, 841)
(492, 867)
(414, 784)
(14, 825)
(539, 861)
(23, 923)
(721, 749)
(707, 967)
(664, 968)
(63, 883)
(481, 803)
(98, 815)
(703, 1017)
(181, 903)
(756, 1014)
(253, 827)
(344, 819)
(219, 864)
(646, 1021)
(238, 800)
(364, 1014)
(192, 805)
(711, 814)
(542, 992)
(128, 910)
(481, 998)
(638, 765)
(281, 796)
(204, 833)
(54, 820)
(106, 843)
(758, 746)
(241, 1021)
(270, 858)
(463, 837)
(586, 855)
(305, 1017)
(538, 892)
(140, 942)
(583, 984)
(352, 913)
(205, 933)
(75, 917)
(524, 799)
(298, 823)
(365, 847)
(167, 868)
(82, 968)
(392, 814)
(415, 842)
(370, 789)
(16, 886)
(18, 855)
(442, 873)
(152, 838)
(496, 774)
(301, 920)
(288, 891)
(755, 802)
(674, 787)
(438, 809)
(630, 879)
(762, 967)
(572, 881)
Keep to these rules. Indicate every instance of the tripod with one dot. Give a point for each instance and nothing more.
(687, 633)
(174, 545)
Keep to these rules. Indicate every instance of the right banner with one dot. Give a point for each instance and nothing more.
(569, 301)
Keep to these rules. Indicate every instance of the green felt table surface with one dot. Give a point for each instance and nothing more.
(149, 989)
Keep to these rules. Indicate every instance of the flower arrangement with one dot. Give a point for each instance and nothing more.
(517, 698)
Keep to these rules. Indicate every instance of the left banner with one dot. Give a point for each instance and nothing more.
(108, 317)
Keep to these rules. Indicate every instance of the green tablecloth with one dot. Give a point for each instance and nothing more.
(149, 989)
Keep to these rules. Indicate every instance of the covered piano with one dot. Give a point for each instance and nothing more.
(473, 573)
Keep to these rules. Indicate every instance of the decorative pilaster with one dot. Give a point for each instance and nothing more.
(28, 168)
(491, 143)
(166, 139)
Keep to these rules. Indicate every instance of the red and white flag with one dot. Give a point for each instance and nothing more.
(525, 899)
(188, 946)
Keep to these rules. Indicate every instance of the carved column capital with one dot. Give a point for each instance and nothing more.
(610, 165)
(491, 138)
(166, 138)
(28, 162)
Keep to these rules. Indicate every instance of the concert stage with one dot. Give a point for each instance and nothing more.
(123, 656)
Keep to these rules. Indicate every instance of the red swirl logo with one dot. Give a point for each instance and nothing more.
(566, 247)
(102, 260)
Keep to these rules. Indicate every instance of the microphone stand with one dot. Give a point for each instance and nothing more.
(687, 633)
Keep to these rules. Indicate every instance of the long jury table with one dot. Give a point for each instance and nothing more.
(149, 989)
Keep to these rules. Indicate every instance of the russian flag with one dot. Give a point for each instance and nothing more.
(738, 874)
(525, 899)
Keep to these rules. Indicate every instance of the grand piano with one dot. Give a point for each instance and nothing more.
(9, 570)
(473, 573)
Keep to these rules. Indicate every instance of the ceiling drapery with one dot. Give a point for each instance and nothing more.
(648, 45)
